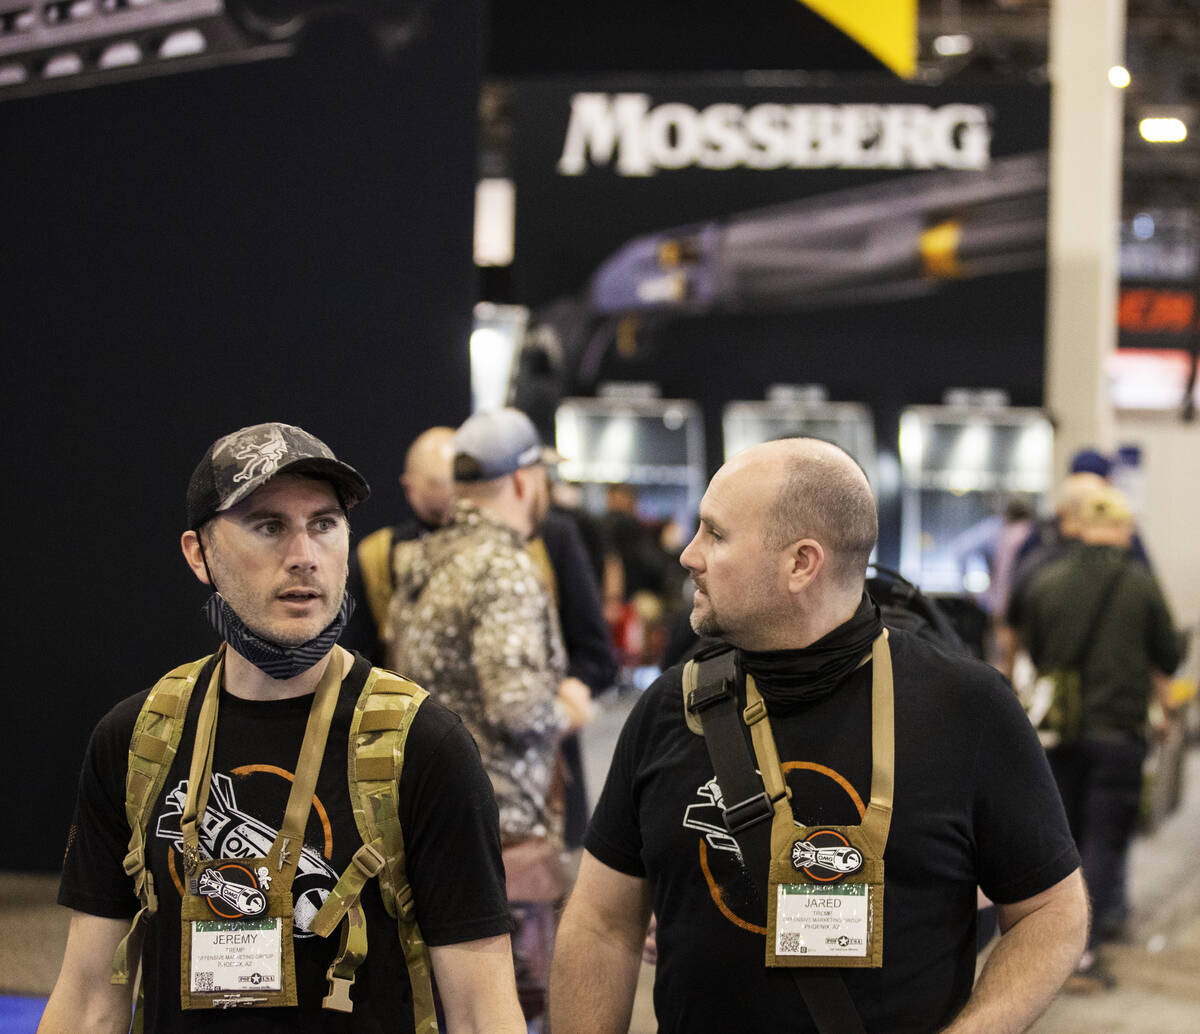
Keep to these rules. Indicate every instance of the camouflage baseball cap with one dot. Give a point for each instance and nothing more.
(242, 462)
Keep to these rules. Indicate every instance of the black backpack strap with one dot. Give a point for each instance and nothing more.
(711, 695)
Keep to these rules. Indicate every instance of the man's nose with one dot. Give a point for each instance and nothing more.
(690, 557)
(301, 552)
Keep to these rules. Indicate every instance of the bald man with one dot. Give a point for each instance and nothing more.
(892, 780)
(428, 483)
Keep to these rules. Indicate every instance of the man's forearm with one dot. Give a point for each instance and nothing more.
(592, 982)
(1028, 966)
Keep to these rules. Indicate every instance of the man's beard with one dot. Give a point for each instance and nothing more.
(707, 625)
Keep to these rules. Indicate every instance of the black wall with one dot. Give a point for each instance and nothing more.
(180, 257)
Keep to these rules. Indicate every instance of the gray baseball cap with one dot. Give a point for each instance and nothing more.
(240, 463)
(493, 443)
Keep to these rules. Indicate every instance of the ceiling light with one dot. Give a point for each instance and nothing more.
(953, 45)
(1119, 76)
(1162, 130)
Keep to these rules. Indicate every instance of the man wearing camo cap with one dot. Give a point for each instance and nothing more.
(256, 828)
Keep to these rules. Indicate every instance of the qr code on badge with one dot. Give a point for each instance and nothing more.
(204, 981)
(789, 944)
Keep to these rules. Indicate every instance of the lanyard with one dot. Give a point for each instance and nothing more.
(282, 858)
(878, 818)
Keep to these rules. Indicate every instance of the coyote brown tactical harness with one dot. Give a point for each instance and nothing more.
(379, 728)
(822, 887)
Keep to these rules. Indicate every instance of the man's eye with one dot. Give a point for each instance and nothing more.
(270, 527)
(327, 524)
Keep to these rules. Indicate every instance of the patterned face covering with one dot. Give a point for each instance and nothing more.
(280, 662)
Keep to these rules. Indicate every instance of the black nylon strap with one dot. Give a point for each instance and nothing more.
(748, 819)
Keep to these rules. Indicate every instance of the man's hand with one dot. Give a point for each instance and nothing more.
(576, 700)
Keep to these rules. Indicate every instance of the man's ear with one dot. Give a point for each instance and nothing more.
(521, 482)
(806, 558)
(189, 542)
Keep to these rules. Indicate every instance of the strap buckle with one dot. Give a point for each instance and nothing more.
(705, 696)
(754, 712)
(369, 860)
(749, 812)
(404, 902)
(338, 998)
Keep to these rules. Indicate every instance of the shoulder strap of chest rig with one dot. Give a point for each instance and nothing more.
(379, 728)
(378, 731)
(152, 748)
(710, 706)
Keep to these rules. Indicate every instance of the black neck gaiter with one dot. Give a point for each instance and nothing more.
(280, 662)
(791, 679)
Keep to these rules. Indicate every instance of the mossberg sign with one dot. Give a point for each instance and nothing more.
(642, 139)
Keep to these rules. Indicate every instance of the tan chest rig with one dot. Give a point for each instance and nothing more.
(383, 714)
(822, 886)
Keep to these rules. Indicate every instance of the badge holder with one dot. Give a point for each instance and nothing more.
(236, 938)
(236, 946)
(825, 883)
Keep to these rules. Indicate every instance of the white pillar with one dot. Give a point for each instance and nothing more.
(1086, 40)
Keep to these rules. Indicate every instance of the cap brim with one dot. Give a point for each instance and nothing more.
(351, 486)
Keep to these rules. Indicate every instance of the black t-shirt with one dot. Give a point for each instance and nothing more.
(447, 812)
(974, 804)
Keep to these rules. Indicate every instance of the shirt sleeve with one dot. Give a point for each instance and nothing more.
(614, 834)
(93, 876)
(452, 832)
(1164, 646)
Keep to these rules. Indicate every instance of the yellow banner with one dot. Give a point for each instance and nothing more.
(887, 28)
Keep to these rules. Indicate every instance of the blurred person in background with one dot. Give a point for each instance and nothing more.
(428, 483)
(1098, 612)
(473, 619)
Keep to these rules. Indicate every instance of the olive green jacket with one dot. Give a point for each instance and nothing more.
(1135, 635)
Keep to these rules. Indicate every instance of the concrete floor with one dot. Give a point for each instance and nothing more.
(1157, 971)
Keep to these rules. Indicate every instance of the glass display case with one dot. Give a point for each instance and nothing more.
(846, 424)
(653, 446)
(961, 466)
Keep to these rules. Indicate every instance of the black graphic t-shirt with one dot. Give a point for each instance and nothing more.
(974, 804)
(447, 812)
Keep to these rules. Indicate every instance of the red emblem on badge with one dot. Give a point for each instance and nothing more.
(825, 856)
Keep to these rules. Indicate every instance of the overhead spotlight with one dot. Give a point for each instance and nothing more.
(1119, 76)
(1161, 130)
(953, 45)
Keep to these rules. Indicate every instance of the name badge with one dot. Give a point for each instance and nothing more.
(825, 901)
(230, 955)
(822, 922)
(236, 938)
